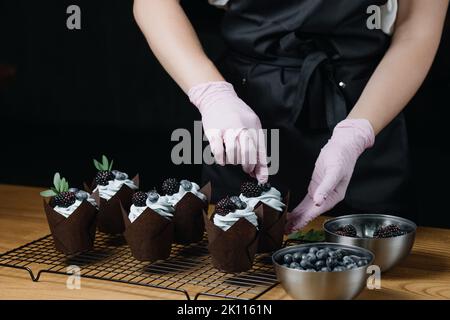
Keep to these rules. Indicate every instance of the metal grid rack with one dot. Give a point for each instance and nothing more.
(188, 270)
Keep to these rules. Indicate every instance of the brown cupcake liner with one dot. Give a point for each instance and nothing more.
(232, 250)
(76, 233)
(150, 236)
(271, 226)
(110, 218)
(188, 216)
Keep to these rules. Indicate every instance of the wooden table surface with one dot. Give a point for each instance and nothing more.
(425, 274)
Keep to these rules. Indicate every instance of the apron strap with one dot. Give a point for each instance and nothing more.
(335, 104)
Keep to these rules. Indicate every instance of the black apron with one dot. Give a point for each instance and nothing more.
(301, 65)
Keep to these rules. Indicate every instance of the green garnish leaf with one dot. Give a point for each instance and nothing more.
(105, 164)
(54, 190)
(48, 193)
(310, 236)
(64, 185)
(56, 180)
(97, 165)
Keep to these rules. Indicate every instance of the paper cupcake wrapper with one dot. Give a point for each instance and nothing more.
(150, 236)
(232, 250)
(188, 217)
(75, 233)
(271, 225)
(110, 218)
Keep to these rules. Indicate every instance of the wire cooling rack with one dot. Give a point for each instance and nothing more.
(188, 270)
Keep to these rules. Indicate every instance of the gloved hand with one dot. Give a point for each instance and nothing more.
(232, 128)
(333, 170)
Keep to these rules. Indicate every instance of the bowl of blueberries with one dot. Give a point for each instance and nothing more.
(390, 238)
(322, 271)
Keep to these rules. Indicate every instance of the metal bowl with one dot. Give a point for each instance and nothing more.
(388, 251)
(306, 285)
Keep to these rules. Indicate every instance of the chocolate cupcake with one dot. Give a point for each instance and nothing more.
(232, 236)
(271, 209)
(149, 226)
(189, 202)
(114, 188)
(71, 216)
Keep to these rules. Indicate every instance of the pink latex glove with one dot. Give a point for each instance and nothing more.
(333, 171)
(232, 128)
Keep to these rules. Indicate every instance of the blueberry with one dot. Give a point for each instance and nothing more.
(313, 250)
(287, 258)
(81, 195)
(306, 264)
(339, 254)
(294, 265)
(332, 254)
(186, 185)
(321, 254)
(238, 202)
(339, 269)
(119, 175)
(362, 263)
(325, 269)
(320, 264)
(153, 196)
(311, 257)
(347, 260)
(352, 266)
(266, 186)
(304, 256)
(331, 262)
(73, 190)
(297, 256)
(311, 270)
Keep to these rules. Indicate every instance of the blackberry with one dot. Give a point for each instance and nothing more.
(170, 186)
(251, 189)
(103, 177)
(348, 231)
(225, 206)
(139, 198)
(65, 199)
(389, 231)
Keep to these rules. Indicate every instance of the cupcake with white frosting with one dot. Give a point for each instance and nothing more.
(232, 235)
(271, 209)
(189, 202)
(113, 188)
(71, 216)
(149, 226)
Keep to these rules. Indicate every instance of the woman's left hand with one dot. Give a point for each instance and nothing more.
(333, 171)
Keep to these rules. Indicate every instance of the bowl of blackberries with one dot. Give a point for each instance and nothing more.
(390, 238)
(322, 271)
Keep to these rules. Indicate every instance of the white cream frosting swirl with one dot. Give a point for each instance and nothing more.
(272, 198)
(227, 221)
(66, 212)
(108, 191)
(162, 206)
(173, 199)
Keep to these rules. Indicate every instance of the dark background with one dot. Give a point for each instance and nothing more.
(67, 96)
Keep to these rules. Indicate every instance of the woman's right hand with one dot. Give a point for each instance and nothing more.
(232, 128)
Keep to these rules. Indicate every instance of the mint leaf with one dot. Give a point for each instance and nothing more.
(310, 236)
(48, 193)
(56, 180)
(110, 165)
(97, 165)
(105, 164)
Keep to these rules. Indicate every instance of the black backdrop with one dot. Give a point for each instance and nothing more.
(70, 95)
